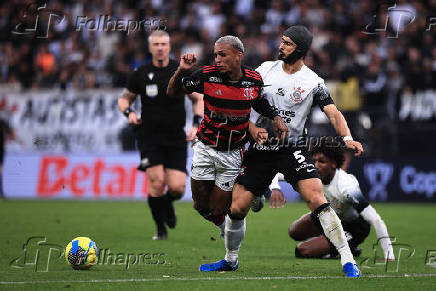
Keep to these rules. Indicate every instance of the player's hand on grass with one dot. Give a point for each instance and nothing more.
(355, 146)
(187, 61)
(277, 199)
(280, 128)
(134, 118)
(259, 134)
(192, 133)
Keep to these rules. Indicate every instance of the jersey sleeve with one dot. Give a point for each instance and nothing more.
(194, 82)
(321, 96)
(352, 193)
(263, 68)
(132, 82)
(262, 106)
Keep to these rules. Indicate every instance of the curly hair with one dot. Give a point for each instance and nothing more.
(334, 153)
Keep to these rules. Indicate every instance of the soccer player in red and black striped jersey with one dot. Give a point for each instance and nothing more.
(230, 91)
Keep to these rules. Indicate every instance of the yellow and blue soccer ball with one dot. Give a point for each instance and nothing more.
(81, 253)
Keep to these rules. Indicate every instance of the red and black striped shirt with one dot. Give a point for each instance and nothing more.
(227, 105)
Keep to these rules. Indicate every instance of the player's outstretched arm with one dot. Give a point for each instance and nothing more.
(373, 218)
(198, 110)
(340, 125)
(124, 103)
(187, 62)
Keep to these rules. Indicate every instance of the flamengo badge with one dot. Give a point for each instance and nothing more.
(296, 95)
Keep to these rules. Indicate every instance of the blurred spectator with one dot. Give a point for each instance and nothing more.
(352, 44)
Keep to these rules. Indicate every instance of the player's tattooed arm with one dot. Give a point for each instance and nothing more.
(124, 103)
(187, 62)
(340, 125)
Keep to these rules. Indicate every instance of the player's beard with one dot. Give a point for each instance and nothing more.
(291, 58)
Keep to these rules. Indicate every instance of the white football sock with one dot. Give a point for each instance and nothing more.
(335, 233)
(233, 236)
(222, 228)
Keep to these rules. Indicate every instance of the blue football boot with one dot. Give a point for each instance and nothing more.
(351, 270)
(222, 265)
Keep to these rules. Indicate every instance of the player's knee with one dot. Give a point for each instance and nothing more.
(218, 211)
(237, 212)
(301, 251)
(177, 190)
(293, 232)
(316, 200)
(200, 208)
(157, 184)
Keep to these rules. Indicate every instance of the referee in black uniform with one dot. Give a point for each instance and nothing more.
(161, 138)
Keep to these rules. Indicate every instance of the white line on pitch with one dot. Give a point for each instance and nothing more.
(211, 279)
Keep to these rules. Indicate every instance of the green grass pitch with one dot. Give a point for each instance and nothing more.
(267, 261)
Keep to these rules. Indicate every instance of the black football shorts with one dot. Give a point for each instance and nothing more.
(167, 151)
(260, 167)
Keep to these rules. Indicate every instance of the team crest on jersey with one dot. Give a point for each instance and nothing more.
(248, 93)
(296, 95)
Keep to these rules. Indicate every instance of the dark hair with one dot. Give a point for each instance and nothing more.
(335, 153)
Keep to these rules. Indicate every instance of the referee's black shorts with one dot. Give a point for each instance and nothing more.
(168, 150)
(260, 167)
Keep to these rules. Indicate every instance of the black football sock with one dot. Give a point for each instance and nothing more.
(170, 218)
(158, 207)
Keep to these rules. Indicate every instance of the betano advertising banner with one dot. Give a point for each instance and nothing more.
(114, 176)
(75, 176)
(87, 176)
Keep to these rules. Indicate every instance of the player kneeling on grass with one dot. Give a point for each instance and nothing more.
(345, 197)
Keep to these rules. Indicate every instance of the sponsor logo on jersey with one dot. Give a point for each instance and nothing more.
(151, 90)
(280, 91)
(296, 95)
(246, 83)
(305, 166)
(191, 83)
(262, 147)
(215, 79)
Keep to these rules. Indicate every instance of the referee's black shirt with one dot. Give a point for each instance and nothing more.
(162, 116)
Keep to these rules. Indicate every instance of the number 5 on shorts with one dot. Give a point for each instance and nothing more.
(299, 157)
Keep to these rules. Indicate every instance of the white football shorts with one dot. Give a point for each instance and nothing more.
(221, 166)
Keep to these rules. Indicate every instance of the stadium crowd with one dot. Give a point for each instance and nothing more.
(373, 50)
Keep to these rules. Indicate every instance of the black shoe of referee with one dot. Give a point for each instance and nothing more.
(161, 234)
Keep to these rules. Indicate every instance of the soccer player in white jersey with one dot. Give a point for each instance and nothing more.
(345, 197)
(292, 88)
